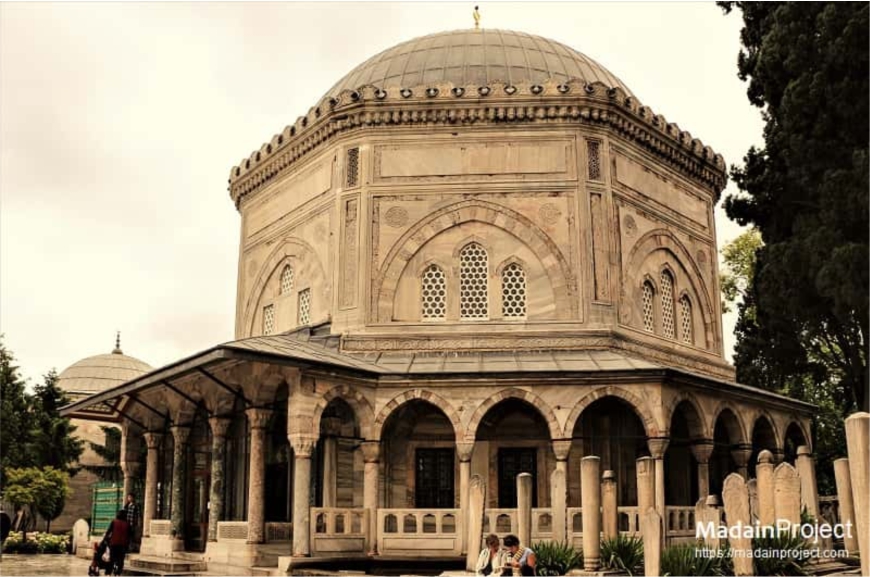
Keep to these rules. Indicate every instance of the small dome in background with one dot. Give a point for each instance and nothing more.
(476, 58)
(98, 373)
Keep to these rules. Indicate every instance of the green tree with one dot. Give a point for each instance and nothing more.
(52, 494)
(806, 191)
(739, 270)
(110, 452)
(14, 415)
(22, 489)
(53, 444)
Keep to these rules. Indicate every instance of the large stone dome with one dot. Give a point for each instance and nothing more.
(100, 372)
(475, 58)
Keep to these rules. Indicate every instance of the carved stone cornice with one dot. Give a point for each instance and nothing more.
(571, 103)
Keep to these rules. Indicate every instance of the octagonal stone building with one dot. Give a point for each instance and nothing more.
(478, 254)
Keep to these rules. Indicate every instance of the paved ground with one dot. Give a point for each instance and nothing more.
(42, 565)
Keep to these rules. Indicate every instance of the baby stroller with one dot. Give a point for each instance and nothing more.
(101, 560)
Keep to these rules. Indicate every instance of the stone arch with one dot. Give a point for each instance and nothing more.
(363, 410)
(736, 427)
(697, 427)
(291, 248)
(555, 264)
(532, 399)
(793, 428)
(414, 395)
(662, 239)
(761, 416)
(651, 427)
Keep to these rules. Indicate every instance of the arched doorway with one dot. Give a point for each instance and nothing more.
(514, 438)
(279, 463)
(198, 481)
(726, 438)
(681, 487)
(794, 438)
(420, 466)
(763, 439)
(336, 460)
(611, 429)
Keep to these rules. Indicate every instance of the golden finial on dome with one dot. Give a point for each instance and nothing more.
(118, 350)
(476, 15)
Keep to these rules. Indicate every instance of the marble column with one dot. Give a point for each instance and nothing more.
(219, 427)
(371, 451)
(331, 427)
(858, 447)
(258, 420)
(152, 441)
(524, 509)
(180, 434)
(303, 446)
(657, 448)
(846, 504)
(131, 470)
(764, 482)
(701, 451)
(590, 478)
(464, 450)
(559, 490)
(609, 506)
(741, 456)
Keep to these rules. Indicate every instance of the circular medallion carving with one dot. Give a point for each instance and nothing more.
(396, 216)
(549, 213)
(629, 225)
(701, 257)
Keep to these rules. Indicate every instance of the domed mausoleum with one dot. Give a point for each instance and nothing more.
(80, 380)
(478, 255)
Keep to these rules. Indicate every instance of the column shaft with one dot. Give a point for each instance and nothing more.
(258, 419)
(371, 453)
(151, 475)
(219, 427)
(179, 477)
(301, 504)
(464, 478)
(330, 472)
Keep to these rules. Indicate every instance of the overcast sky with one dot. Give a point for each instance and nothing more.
(119, 123)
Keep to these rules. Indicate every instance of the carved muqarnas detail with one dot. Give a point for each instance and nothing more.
(549, 213)
(396, 217)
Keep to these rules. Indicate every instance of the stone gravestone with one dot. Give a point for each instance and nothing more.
(752, 488)
(524, 509)
(645, 485)
(609, 506)
(858, 446)
(787, 494)
(476, 503)
(651, 528)
(736, 498)
(846, 507)
(590, 476)
(707, 518)
(80, 535)
(559, 489)
(764, 484)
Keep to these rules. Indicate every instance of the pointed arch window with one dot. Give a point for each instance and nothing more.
(268, 319)
(668, 327)
(647, 296)
(433, 293)
(513, 291)
(473, 278)
(686, 320)
(286, 280)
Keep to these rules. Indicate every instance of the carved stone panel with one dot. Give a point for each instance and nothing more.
(349, 253)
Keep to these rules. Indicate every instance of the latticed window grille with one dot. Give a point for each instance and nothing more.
(434, 293)
(513, 291)
(268, 319)
(352, 167)
(668, 305)
(287, 280)
(648, 296)
(686, 319)
(593, 159)
(473, 272)
(304, 314)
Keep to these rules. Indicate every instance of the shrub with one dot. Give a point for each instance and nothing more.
(37, 543)
(556, 558)
(791, 555)
(623, 552)
(687, 559)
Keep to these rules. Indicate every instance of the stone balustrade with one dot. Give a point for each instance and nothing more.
(503, 522)
(339, 530)
(419, 531)
(680, 522)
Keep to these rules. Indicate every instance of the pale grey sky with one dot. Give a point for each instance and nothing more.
(119, 123)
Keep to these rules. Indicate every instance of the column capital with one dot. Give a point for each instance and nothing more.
(219, 426)
(303, 445)
(658, 446)
(561, 448)
(464, 449)
(741, 455)
(371, 451)
(152, 440)
(258, 417)
(702, 449)
(180, 433)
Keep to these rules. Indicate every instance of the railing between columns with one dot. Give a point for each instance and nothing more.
(680, 522)
(232, 531)
(419, 531)
(339, 530)
(278, 532)
(502, 522)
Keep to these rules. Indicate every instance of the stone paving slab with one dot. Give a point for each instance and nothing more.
(11, 564)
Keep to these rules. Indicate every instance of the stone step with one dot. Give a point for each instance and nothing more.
(833, 567)
(167, 566)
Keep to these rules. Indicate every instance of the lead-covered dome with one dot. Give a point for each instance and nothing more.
(100, 372)
(476, 58)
